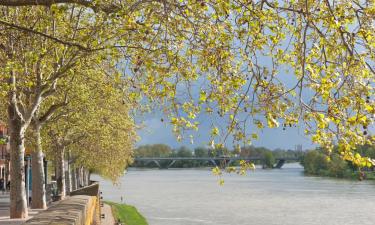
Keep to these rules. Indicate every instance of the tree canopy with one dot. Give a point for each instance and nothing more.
(240, 55)
(247, 64)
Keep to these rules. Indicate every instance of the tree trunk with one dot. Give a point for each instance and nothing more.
(18, 204)
(80, 175)
(68, 175)
(60, 172)
(67, 182)
(74, 179)
(76, 171)
(38, 185)
(88, 177)
(84, 176)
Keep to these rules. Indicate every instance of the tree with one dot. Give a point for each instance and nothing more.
(183, 152)
(156, 150)
(227, 59)
(201, 152)
(34, 60)
(314, 162)
(269, 159)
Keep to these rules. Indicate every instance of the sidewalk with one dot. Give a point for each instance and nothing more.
(107, 211)
(4, 212)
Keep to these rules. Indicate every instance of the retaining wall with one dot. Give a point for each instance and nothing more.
(82, 207)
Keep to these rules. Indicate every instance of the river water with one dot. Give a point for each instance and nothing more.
(263, 197)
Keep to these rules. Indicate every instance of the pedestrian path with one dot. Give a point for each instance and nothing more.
(5, 220)
(4, 212)
(108, 219)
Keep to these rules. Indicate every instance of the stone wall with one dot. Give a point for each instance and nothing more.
(74, 210)
(91, 190)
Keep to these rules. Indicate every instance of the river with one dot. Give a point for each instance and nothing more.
(263, 197)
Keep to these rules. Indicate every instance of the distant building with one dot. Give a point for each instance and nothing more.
(298, 148)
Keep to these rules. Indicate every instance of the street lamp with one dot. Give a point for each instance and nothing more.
(27, 178)
(45, 171)
(7, 162)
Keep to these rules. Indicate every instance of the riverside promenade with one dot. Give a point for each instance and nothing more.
(108, 219)
(4, 211)
(5, 220)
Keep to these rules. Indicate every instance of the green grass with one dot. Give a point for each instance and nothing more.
(127, 214)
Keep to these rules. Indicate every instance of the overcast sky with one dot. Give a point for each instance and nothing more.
(156, 131)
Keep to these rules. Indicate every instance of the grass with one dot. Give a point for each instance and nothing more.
(127, 214)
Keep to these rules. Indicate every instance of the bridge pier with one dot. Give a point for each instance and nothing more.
(157, 163)
(154, 161)
(171, 164)
(280, 164)
(213, 162)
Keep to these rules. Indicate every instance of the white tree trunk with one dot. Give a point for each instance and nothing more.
(60, 172)
(78, 178)
(88, 177)
(38, 176)
(18, 204)
(80, 172)
(84, 177)
(68, 175)
(68, 182)
(74, 179)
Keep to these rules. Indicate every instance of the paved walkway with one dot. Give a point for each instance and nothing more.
(4, 212)
(107, 211)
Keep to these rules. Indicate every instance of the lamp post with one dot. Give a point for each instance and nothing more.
(45, 172)
(7, 178)
(27, 179)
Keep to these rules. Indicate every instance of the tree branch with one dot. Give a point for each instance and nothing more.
(15, 26)
(50, 112)
(94, 5)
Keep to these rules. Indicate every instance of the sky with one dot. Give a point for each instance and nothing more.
(156, 132)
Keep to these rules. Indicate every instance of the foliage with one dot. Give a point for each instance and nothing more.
(224, 58)
(127, 214)
(168, 48)
(269, 159)
(95, 126)
(157, 150)
(201, 152)
(184, 152)
(316, 162)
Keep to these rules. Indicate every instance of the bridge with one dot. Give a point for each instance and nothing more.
(214, 161)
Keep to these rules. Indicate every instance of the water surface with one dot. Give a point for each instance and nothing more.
(264, 197)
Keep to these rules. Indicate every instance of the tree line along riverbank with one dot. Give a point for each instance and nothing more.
(315, 162)
(162, 150)
(318, 163)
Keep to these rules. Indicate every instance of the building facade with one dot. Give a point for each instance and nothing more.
(4, 152)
